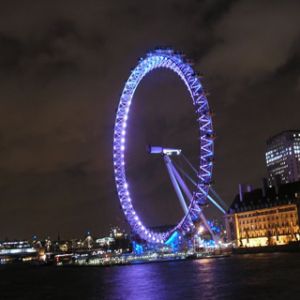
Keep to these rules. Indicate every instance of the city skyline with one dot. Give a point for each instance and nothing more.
(63, 68)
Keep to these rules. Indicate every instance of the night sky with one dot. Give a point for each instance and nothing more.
(63, 65)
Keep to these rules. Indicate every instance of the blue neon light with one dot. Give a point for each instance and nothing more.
(214, 227)
(173, 238)
(137, 248)
(173, 241)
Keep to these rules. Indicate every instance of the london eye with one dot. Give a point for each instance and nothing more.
(191, 201)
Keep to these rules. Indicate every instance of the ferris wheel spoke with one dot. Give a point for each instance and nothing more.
(220, 204)
(176, 186)
(190, 197)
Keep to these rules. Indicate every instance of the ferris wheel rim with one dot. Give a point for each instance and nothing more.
(168, 59)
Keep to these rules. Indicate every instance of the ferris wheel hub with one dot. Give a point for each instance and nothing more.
(163, 151)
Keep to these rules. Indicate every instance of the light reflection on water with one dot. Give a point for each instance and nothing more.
(240, 277)
(164, 280)
(262, 276)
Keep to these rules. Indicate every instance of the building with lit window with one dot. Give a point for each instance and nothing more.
(283, 157)
(17, 251)
(264, 217)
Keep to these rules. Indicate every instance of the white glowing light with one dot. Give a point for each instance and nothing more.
(200, 229)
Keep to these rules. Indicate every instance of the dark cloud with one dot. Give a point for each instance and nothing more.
(263, 41)
(62, 68)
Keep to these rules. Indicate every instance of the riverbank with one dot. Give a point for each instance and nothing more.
(132, 259)
(293, 247)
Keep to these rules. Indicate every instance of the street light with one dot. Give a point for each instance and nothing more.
(200, 229)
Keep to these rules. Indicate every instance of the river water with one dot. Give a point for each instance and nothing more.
(255, 276)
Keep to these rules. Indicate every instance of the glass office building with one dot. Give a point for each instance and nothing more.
(283, 157)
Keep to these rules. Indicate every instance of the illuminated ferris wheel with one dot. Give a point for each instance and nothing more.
(191, 201)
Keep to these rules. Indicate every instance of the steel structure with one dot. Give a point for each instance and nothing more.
(168, 59)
